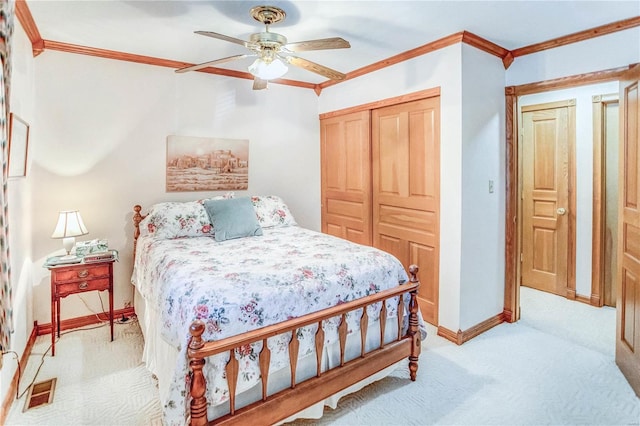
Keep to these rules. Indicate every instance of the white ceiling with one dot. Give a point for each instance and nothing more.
(375, 29)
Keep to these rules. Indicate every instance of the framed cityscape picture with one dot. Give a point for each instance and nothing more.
(206, 164)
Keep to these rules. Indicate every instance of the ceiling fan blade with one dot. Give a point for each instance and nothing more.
(317, 68)
(320, 44)
(210, 63)
(259, 84)
(246, 44)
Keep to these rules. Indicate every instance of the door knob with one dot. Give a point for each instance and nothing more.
(561, 211)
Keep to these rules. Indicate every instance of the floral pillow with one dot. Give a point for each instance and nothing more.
(272, 211)
(175, 219)
(179, 219)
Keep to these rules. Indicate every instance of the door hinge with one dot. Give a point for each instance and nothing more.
(521, 257)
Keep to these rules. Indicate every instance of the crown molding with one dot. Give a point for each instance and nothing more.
(39, 45)
(150, 60)
(401, 57)
(29, 25)
(613, 27)
(604, 76)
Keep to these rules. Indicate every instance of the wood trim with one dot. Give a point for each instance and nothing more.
(150, 60)
(29, 26)
(452, 336)
(84, 321)
(401, 57)
(508, 316)
(511, 248)
(480, 328)
(423, 94)
(572, 187)
(487, 46)
(583, 299)
(13, 387)
(598, 226)
(39, 45)
(461, 337)
(613, 27)
(512, 274)
(571, 81)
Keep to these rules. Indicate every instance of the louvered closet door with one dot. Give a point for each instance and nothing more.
(406, 199)
(346, 176)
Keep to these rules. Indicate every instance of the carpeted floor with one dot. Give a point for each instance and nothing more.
(555, 366)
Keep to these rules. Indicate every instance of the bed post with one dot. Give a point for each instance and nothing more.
(137, 217)
(413, 325)
(198, 381)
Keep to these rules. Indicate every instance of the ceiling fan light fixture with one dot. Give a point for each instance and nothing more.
(268, 70)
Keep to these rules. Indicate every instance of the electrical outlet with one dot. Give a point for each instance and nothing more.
(490, 186)
(127, 304)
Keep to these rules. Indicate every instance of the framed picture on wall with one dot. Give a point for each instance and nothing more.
(206, 164)
(18, 146)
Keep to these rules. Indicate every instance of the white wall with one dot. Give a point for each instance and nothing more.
(483, 160)
(597, 54)
(100, 147)
(441, 68)
(19, 204)
(584, 169)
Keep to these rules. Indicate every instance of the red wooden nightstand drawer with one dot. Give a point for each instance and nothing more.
(82, 285)
(81, 273)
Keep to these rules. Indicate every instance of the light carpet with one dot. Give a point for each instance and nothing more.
(555, 366)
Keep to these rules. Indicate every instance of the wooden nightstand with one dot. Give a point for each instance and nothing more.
(78, 278)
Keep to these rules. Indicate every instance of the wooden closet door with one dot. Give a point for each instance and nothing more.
(548, 236)
(406, 190)
(346, 176)
(628, 304)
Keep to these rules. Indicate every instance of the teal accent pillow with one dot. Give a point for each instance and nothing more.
(232, 218)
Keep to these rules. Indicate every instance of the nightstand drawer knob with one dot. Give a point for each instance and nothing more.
(83, 285)
(83, 274)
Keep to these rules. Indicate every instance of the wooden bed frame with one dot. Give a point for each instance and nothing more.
(300, 395)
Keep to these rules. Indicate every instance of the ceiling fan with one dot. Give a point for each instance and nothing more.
(273, 51)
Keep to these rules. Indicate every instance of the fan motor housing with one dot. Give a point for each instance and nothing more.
(268, 40)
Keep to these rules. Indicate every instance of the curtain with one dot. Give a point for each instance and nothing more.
(6, 30)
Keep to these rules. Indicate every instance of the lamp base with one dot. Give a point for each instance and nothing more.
(68, 243)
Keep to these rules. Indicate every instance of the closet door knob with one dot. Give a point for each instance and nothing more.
(561, 211)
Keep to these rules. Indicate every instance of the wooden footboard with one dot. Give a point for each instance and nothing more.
(278, 406)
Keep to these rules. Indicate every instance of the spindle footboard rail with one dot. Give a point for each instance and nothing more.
(300, 395)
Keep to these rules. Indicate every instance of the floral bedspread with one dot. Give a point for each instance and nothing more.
(244, 284)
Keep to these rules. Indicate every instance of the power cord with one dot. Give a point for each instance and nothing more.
(42, 359)
(17, 358)
(123, 320)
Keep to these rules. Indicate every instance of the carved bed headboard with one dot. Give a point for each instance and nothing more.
(137, 218)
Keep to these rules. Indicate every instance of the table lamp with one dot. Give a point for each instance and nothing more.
(69, 227)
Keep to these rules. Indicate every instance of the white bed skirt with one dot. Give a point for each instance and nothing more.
(160, 359)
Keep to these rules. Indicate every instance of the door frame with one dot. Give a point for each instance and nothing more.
(570, 104)
(512, 177)
(600, 102)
